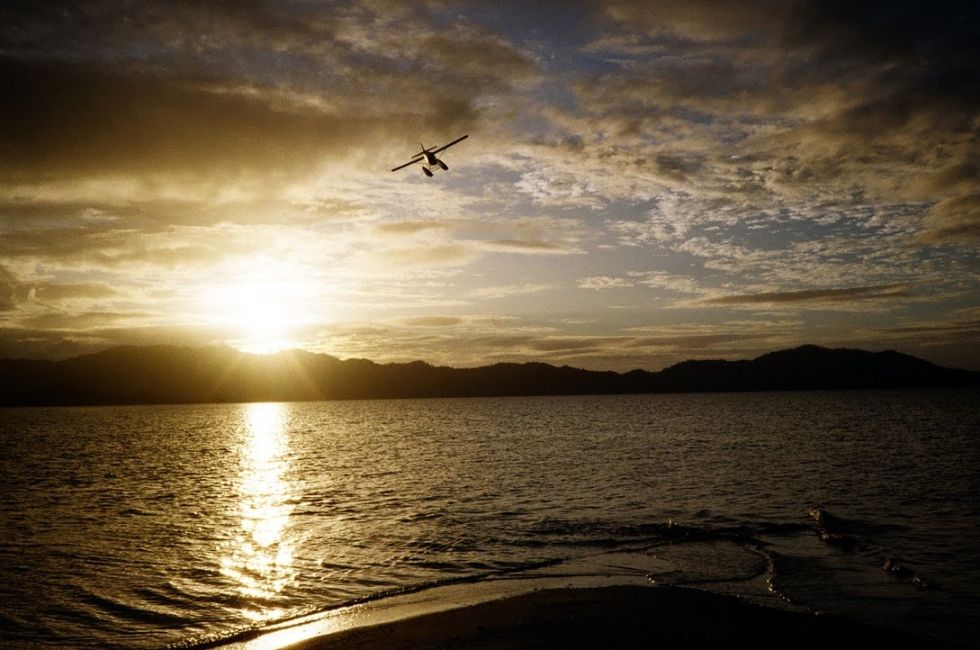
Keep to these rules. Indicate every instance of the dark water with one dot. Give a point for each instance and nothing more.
(152, 525)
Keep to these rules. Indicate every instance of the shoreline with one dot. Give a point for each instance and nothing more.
(617, 616)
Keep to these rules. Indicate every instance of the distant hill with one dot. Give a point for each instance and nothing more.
(169, 374)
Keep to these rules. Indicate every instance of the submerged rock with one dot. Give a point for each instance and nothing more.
(897, 569)
(829, 528)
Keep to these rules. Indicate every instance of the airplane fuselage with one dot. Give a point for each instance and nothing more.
(431, 162)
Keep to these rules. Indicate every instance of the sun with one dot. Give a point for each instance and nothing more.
(260, 315)
(264, 330)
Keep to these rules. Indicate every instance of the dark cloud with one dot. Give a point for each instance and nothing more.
(85, 323)
(892, 59)
(64, 340)
(727, 19)
(816, 295)
(169, 149)
(678, 166)
(12, 291)
(526, 246)
(68, 119)
(471, 59)
(809, 96)
(410, 227)
(968, 328)
(954, 220)
(434, 321)
(568, 344)
(230, 87)
(958, 178)
(117, 247)
(16, 292)
(931, 35)
(49, 292)
(695, 341)
(927, 33)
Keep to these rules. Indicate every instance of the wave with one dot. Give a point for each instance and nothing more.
(257, 630)
(682, 554)
(118, 610)
(748, 561)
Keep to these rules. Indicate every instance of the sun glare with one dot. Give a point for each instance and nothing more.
(260, 315)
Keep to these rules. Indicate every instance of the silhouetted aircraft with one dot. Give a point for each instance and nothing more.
(429, 156)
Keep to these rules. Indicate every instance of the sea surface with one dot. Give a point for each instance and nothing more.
(146, 526)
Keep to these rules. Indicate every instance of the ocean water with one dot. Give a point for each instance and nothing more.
(146, 526)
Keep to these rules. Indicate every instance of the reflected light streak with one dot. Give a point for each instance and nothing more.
(286, 637)
(261, 559)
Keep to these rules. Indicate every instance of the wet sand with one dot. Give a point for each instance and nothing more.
(616, 617)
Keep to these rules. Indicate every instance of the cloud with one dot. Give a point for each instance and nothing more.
(433, 321)
(184, 90)
(572, 344)
(12, 291)
(507, 291)
(951, 338)
(476, 340)
(551, 188)
(409, 227)
(54, 292)
(448, 254)
(662, 280)
(772, 105)
(966, 327)
(816, 295)
(954, 220)
(70, 118)
(16, 293)
(88, 323)
(752, 159)
(693, 341)
(602, 282)
(60, 342)
(527, 247)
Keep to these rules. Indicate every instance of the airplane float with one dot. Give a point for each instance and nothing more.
(431, 162)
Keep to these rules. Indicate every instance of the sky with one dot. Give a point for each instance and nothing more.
(644, 182)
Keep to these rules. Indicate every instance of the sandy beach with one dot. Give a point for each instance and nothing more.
(612, 617)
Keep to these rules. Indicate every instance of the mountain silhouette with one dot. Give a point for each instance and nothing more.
(171, 374)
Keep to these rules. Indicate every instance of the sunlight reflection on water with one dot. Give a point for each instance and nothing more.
(261, 558)
(139, 527)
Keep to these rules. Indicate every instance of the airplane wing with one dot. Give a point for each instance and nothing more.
(410, 162)
(446, 146)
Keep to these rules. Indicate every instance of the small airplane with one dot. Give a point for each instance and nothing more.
(429, 156)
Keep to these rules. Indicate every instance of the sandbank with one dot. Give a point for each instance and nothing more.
(597, 617)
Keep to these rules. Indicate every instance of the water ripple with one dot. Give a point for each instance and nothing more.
(143, 526)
